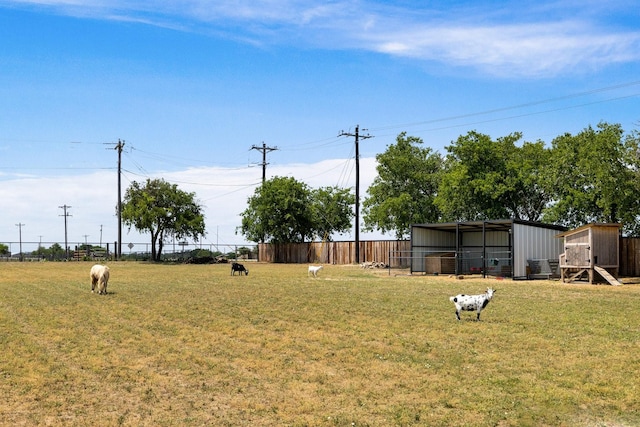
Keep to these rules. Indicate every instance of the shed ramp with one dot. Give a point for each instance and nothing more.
(606, 276)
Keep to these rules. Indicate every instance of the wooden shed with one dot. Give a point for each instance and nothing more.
(590, 249)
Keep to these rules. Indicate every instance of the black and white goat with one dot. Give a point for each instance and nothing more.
(472, 302)
(239, 268)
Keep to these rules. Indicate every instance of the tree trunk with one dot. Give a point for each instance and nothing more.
(160, 240)
(160, 246)
(154, 239)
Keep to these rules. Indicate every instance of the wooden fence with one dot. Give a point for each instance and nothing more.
(629, 257)
(331, 252)
(378, 251)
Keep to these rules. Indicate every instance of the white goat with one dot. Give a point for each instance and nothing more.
(314, 270)
(472, 302)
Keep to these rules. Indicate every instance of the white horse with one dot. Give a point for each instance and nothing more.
(99, 276)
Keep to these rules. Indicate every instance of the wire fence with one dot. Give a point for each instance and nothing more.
(469, 261)
(492, 263)
(88, 251)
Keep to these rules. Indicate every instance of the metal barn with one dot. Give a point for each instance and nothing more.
(505, 248)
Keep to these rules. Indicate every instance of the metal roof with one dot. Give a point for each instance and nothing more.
(493, 225)
(591, 225)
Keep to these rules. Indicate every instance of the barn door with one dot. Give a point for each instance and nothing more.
(578, 254)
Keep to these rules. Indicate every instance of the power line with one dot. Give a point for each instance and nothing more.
(202, 184)
(523, 105)
(517, 116)
(264, 163)
(119, 147)
(65, 215)
(357, 156)
(20, 225)
(314, 145)
(51, 168)
(181, 161)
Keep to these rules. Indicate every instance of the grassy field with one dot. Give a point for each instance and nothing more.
(189, 345)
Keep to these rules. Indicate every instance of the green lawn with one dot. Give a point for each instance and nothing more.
(190, 345)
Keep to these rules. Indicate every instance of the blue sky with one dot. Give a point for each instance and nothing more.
(191, 86)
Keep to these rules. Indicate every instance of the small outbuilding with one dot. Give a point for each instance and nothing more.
(503, 248)
(590, 249)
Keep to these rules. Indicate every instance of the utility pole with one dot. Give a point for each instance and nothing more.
(264, 150)
(118, 248)
(20, 225)
(100, 235)
(357, 220)
(65, 215)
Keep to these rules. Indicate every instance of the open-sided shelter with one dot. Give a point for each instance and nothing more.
(503, 248)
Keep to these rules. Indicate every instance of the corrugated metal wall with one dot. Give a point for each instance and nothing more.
(490, 251)
(531, 242)
(426, 242)
(473, 253)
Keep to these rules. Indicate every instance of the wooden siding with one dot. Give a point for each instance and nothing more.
(630, 256)
(330, 252)
(606, 239)
(592, 244)
(589, 249)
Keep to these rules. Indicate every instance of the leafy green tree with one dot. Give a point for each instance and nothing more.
(474, 177)
(163, 210)
(526, 171)
(284, 210)
(594, 176)
(4, 249)
(279, 212)
(486, 179)
(55, 251)
(40, 252)
(404, 191)
(244, 251)
(332, 211)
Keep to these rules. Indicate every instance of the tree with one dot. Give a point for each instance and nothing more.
(403, 193)
(163, 210)
(594, 176)
(41, 252)
(279, 211)
(4, 249)
(56, 251)
(486, 179)
(332, 211)
(527, 172)
(284, 210)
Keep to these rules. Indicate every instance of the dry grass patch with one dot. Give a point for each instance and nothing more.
(192, 345)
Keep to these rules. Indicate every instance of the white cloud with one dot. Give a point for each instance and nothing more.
(35, 202)
(532, 40)
(513, 50)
